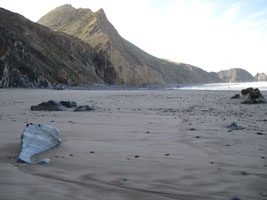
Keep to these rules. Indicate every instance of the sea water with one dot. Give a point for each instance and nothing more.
(225, 86)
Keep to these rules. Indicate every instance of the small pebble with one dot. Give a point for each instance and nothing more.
(192, 129)
(228, 145)
(259, 133)
(264, 194)
(263, 157)
(147, 132)
(244, 173)
(211, 162)
(92, 152)
(167, 154)
(125, 179)
(235, 198)
(136, 156)
(71, 155)
(197, 137)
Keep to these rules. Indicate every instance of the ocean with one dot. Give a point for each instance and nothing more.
(225, 86)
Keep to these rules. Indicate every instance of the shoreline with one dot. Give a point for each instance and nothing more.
(201, 86)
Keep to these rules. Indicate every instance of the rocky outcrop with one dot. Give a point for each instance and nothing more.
(261, 77)
(49, 106)
(235, 75)
(131, 65)
(32, 55)
(253, 96)
(250, 96)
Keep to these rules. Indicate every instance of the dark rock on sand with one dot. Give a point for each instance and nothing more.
(245, 173)
(84, 108)
(68, 104)
(235, 198)
(236, 96)
(253, 96)
(49, 106)
(233, 127)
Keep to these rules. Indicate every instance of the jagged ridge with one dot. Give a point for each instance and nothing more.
(132, 65)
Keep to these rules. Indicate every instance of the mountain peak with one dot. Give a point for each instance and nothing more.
(132, 65)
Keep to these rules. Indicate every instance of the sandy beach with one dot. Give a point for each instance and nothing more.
(137, 144)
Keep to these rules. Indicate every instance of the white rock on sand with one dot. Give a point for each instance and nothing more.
(155, 144)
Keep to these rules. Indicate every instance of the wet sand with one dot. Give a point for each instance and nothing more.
(137, 144)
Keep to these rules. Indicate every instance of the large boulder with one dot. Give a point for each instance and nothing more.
(252, 96)
(49, 106)
(36, 139)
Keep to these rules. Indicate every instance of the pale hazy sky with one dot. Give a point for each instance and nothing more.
(211, 34)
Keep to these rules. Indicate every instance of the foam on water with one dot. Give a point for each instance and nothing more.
(225, 86)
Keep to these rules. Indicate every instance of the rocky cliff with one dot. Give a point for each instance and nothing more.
(132, 65)
(261, 77)
(235, 75)
(32, 55)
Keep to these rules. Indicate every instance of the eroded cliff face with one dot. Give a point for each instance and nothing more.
(235, 75)
(132, 65)
(261, 77)
(32, 55)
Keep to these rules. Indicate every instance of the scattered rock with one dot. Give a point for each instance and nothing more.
(244, 173)
(236, 96)
(71, 154)
(49, 106)
(136, 156)
(264, 194)
(253, 96)
(259, 133)
(36, 139)
(84, 108)
(235, 198)
(233, 127)
(192, 129)
(197, 137)
(68, 104)
(125, 179)
(92, 152)
(167, 154)
(59, 87)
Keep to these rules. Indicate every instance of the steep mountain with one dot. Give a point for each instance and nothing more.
(261, 77)
(32, 55)
(132, 65)
(235, 75)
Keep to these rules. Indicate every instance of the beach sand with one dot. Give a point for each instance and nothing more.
(137, 144)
